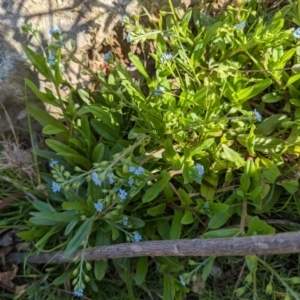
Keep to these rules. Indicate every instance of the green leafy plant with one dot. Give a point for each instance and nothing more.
(208, 140)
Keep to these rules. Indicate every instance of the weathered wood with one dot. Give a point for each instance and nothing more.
(281, 243)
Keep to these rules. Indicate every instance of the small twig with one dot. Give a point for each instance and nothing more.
(281, 243)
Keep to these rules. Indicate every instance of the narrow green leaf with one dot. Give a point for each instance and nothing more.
(156, 210)
(221, 233)
(156, 188)
(136, 61)
(188, 217)
(100, 266)
(176, 226)
(141, 270)
(233, 156)
(207, 268)
(81, 234)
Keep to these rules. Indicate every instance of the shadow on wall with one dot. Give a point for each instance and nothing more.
(87, 22)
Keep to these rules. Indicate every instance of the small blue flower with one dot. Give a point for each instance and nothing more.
(122, 194)
(111, 178)
(125, 222)
(55, 187)
(78, 293)
(241, 25)
(124, 17)
(53, 162)
(98, 206)
(165, 57)
(159, 92)
(200, 169)
(257, 115)
(51, 57)
(131, 182)
(297, 33)
(128, 38)
(107, 55)
(96, 179)
(137, 237)
(54, 31)
(131, 169)
(139, 171)
(62, 68)
(181, 280)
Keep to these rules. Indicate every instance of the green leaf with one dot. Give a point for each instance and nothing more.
(207, 268)
(100, 266)
(176, 225)
(291, 80)
(51, 219)
(185, 198)
(156, 188)
(267, 126)
(169, 290)
(218, 220)
(98, 153)
(64, 277)
(156, 210)
(221, 233)
(136, 61)
(170, 154)
(45, 119)
(51, 130)
(270, 200)
(44, 207)
(270, 170)
(271, 98)
(70, 226)
(257, 226)
(292, 186)
(68, 152)
(249, 92)
(47, 97)
(188, 217)
(163, 228)
(38, 62)
(136, 222)
(81, 235)
(267, 145)
(233, 156)
(141, 270)
(111, 134)
(218, 208)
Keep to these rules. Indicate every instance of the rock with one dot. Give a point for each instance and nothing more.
(88, 22)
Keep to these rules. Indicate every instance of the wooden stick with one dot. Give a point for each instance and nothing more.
(281, 243)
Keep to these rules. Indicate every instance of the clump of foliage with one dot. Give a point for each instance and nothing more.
(205, 146)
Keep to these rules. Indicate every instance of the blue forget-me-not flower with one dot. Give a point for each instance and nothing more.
(131, 169)
(111, 178)
(55, 187)
(122, 194)
(181, 280)
(98, 206)
(139, 171)
(107, 55)
(124, 17)
(52, 163)
(241, 25)
(131, 182)
(78, 293)
(54, 31)
(165, 57)
(159, 92)
(128, 38)
(200, 170)
(297, 33)
(137, 237)
(257, 115)
(96, 179)
(125, 222)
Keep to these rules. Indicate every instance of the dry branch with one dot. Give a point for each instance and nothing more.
(281, 243)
